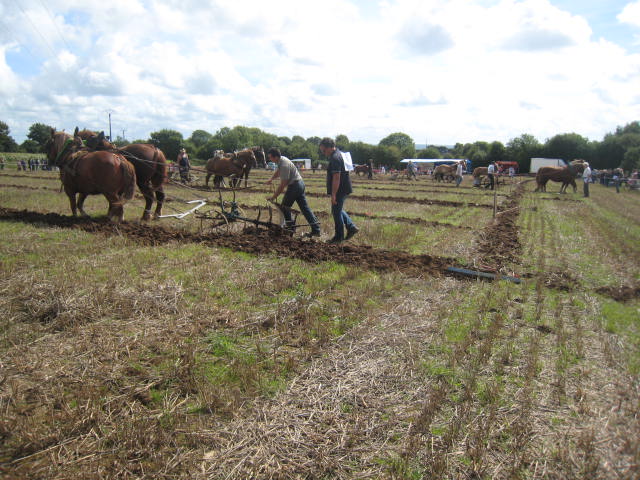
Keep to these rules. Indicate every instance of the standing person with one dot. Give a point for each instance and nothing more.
(183, 165)
(411, 170)
(291, 180)
(383, 170)
(512, 173)
(458, 174)
(370, 166)
(616, 181)
(1, 163)
(586, 178)
(339, 187)
(491, 171)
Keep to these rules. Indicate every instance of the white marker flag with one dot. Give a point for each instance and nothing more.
(348, 163)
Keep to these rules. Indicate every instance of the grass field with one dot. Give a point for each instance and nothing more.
(171, 350)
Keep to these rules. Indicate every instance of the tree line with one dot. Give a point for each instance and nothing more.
(620, 148)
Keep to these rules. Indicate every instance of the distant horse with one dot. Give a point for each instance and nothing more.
(150, 165)
(478, 175)
(236, 164)
(565, 175)
(87, 173)
(261, 159)
(444, 173)
(364, 169)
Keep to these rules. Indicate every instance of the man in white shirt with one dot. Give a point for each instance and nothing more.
(458, 174)
(586, 178)
(491, 170)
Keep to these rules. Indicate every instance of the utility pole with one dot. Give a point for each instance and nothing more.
(109, 112)
(123, 130)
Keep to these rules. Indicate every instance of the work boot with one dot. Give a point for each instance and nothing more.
(351, 232)
(310, 234)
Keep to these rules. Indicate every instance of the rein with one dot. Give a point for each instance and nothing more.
(66, 144)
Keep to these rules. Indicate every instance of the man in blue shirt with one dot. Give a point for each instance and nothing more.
(339, 187)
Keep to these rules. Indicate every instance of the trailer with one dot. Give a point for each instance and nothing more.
(302, 163)
(537, 163)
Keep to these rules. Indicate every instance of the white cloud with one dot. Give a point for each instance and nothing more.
(630, 14)
(446, 70)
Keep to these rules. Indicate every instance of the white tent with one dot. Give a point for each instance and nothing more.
(433, 160)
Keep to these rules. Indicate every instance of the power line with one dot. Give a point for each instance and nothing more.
(46, 42)
(23, 45)
(55, 24)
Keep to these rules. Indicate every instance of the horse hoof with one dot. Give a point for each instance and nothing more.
(146, 217)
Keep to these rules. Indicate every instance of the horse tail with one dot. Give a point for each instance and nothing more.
(129, 177)
(160, 171)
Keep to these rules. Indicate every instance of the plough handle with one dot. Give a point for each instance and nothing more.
(200, 202)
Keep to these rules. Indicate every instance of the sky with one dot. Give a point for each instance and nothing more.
(441, 71)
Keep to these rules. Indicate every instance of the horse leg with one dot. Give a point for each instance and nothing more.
(159, 202)
(206, 180)
(147, 193)
(116, 208)
(73, 204)
(81, 198)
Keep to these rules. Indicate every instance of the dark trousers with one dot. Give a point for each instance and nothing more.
(295, 193)
(340, 217)
(492, 181)
(586, 189)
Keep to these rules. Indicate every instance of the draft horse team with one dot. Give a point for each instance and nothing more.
(90, 165)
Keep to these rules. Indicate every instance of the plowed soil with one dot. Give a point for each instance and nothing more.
(250, 241)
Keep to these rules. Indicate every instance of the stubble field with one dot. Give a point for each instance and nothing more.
(168, 350)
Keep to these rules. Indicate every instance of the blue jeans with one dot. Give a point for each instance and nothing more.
(295, 193)
(340, 217)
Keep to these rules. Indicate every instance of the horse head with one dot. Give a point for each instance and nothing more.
(58, 145)
(577, 165)
(99, 142)
(246, 158)
(261, 159)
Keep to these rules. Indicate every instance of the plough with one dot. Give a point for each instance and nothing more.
(226, 213)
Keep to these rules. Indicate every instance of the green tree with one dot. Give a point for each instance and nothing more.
(30, 146)
(169, 141)
(39, 133)
(429, 152)
(610, 153)
(7, 143)
(497, 152)
(389, 156)
(402, 141)
(361, 152)
(199, 138)
(631, 159)
(342, 142)
(121, 142)
(569, 146)
(521, 149)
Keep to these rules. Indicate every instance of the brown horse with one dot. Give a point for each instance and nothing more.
(444, 173)
(87, 173)
(364, 169)
(150, 165)
(235, 165)
(261, 159)
(565, 175)
(478, 174)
